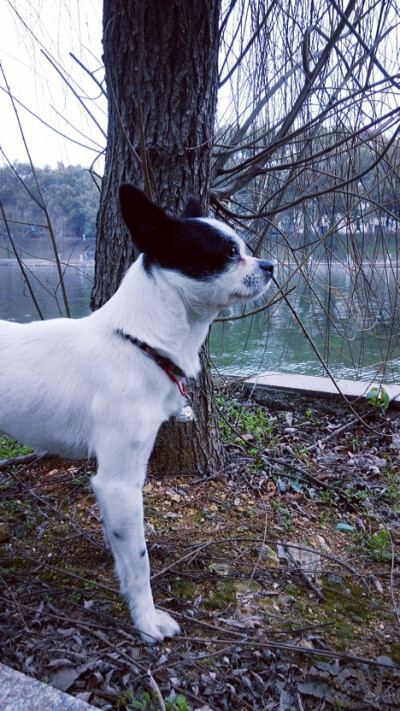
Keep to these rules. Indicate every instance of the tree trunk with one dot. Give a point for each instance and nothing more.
(161, 62)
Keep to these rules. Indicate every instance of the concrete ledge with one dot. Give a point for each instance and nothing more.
(286, 386)
(19, 692)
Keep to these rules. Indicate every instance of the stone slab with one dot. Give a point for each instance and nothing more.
(317, 386)
(19, 692)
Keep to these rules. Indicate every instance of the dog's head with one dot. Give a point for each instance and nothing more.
(205, 256)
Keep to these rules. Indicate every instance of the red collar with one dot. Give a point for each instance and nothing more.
(180, 385)
(170, 368)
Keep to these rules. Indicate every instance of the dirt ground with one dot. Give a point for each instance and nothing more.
(283, 571)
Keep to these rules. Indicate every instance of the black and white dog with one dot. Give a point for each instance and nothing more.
(102, 385)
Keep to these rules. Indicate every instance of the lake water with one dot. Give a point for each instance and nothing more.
(360, 339)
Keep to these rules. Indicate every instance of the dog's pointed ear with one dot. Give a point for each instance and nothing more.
(192, 209)
(146, 221)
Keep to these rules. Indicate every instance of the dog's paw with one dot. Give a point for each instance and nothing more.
(155, 628)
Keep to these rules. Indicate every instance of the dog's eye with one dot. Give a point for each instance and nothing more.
(232, 251)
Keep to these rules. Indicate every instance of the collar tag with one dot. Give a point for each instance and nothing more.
(185, 414)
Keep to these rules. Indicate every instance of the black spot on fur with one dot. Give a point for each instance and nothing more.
(117, 535)
(143, 553)
(187, 245)
(192, 208)
(195, 249)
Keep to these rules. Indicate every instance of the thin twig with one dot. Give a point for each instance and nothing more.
(331, 435)
(156, 689)
(392, 566)
(21, 266)
(75, 93)
(42, 201)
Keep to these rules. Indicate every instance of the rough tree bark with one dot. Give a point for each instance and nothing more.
(161, 61)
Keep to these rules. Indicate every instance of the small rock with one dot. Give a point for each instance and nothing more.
(395, 441)
(269, 556)
(334, 579)
(63, 677)
(321, 542)
(379, 462)
(287, 599)
(221, 569)
(344, 527)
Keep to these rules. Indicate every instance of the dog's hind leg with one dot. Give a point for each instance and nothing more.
(121, 507)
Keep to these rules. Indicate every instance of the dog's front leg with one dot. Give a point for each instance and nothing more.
(121, 508)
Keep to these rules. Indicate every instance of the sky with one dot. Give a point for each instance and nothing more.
(58, 27)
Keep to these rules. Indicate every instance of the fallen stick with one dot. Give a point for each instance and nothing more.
(22, 459)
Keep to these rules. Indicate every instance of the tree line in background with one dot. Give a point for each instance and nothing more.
(362, 221)
(355, 222)
(72, 201)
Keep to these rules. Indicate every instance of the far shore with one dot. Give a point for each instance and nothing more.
(43, 262)
(83, 263)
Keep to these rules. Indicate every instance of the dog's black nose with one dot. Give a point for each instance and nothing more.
(267, 266)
